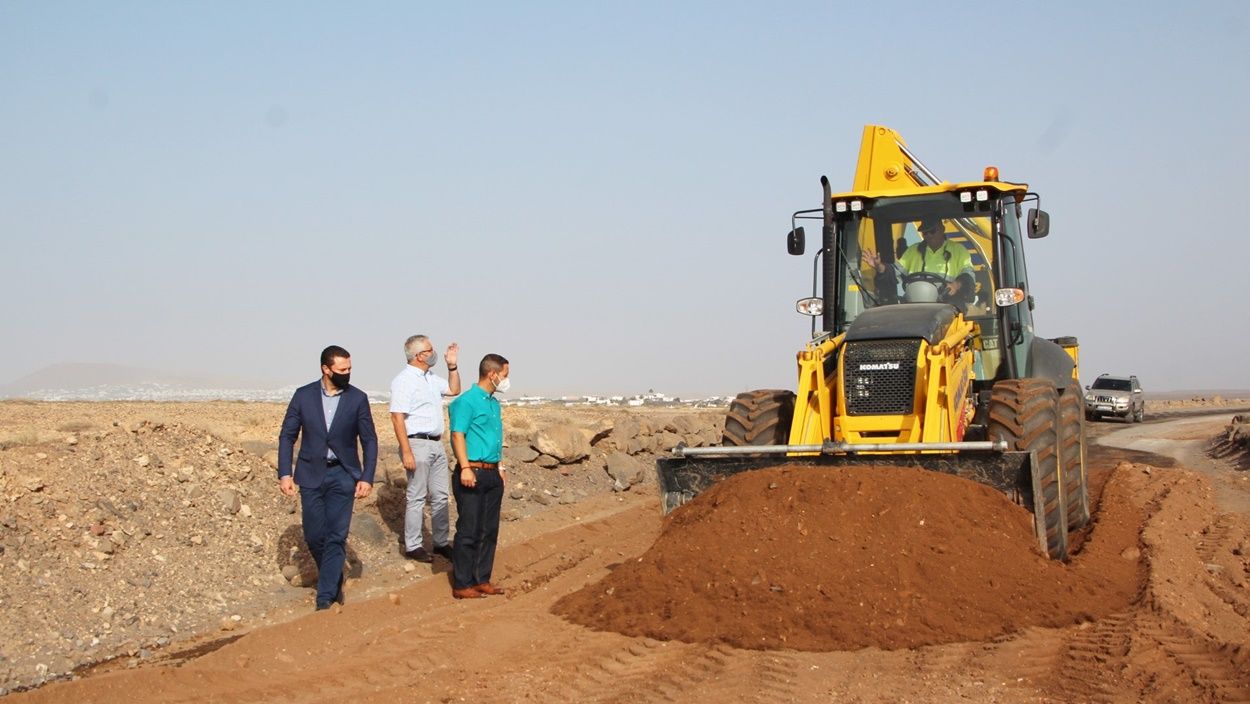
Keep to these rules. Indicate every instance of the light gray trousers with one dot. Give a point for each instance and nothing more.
(428, 481)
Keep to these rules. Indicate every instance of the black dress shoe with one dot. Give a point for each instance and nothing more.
(419, 554)
(443, 551)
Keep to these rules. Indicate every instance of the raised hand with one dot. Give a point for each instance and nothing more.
(872, 259)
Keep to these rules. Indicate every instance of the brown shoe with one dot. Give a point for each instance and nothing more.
(488, 588)
(467, 593)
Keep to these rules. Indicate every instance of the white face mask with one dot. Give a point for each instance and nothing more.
(503, 385)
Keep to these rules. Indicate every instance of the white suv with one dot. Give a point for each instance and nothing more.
(1119, 396)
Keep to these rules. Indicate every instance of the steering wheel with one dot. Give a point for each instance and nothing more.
(935, 283)
(926, 277)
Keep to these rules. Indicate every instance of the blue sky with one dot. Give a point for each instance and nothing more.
(598, 192)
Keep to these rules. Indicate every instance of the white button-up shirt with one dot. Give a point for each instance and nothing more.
(419, 396)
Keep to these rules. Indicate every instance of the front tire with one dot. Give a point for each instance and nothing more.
(1025, 413)
(1072, 456)
(759, 418)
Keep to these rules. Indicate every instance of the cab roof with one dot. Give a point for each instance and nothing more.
(999, 187)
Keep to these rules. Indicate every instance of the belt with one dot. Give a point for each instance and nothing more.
(426, 436)
(333, 463)
(483, 465)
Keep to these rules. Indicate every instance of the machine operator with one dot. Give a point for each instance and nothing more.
(933, 255)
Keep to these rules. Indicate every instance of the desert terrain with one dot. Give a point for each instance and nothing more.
(147, 556)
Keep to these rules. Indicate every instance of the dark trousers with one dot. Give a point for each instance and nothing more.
(327, 517)
(477, 528)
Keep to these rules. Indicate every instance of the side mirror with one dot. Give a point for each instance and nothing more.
(1087, 387)
(796, 241)
(1039, 223)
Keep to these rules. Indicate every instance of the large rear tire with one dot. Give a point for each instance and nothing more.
(1072, 456)
(759, 418)
(1025, 413)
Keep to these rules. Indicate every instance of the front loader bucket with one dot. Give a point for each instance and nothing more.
(1013, 473)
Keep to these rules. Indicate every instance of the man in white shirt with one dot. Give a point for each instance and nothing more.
(417, 415)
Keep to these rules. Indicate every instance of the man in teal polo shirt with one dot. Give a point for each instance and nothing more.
(477, 441)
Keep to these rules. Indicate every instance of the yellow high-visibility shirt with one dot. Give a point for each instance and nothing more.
(948, 261)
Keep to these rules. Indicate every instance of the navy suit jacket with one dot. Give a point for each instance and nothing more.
(305, 416)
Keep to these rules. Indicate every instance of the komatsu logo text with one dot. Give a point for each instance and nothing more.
(881, 367)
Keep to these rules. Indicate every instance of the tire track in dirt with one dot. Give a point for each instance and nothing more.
(648, 670)
(1236, 597)
(643, 669)
(532, 569)
(1033, 656)
(685, 669)
(594, 668)
(1173, 663)
(769, 677)
(1091, 657)
(1216, 538)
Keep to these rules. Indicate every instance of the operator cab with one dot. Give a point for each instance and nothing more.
(959, 244)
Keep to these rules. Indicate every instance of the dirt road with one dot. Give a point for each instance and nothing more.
(1184, 439)
(1186, 637)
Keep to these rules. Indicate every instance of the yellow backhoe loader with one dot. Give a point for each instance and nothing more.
(923, 351)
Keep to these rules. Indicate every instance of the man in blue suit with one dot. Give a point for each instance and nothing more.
(331, 415)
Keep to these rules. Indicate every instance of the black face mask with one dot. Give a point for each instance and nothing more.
(340, 380)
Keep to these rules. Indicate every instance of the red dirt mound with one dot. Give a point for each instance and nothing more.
(841, 558)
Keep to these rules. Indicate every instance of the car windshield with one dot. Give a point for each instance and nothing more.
(1113, 384)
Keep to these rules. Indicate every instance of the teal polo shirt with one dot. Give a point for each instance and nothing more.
(476, 414)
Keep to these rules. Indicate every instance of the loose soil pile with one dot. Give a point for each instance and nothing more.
(844, 558)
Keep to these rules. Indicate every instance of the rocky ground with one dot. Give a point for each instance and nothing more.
(1234, 443)
(102, 505)
(125, 527)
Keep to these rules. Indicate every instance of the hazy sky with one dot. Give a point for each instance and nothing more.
(600, 192)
